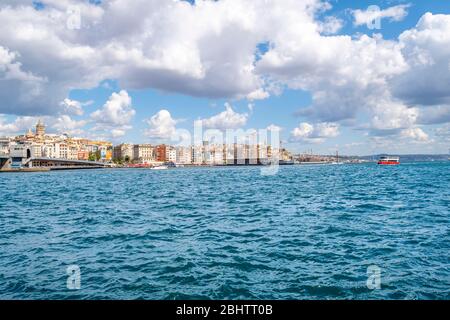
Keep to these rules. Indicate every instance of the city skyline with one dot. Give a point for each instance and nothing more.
(37, 145)
(327, 75)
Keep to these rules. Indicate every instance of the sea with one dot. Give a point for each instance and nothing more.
(352, 231)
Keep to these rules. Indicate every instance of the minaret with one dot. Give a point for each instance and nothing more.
(40, 129)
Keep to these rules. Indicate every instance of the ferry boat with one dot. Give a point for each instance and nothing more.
(388, 160)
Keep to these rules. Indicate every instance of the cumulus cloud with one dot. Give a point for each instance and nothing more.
(73, 107)
(259, 94)
(314, 133)
(117, 133)
(65, 124)
(426, 49)
(395, 13)
(167, 48)
(48, 53)
(330, 25)
(274, 127)
(228, 119)
(17, 86)
(161, 126)
(435, 115)
(416, 134)
(19, 126)
(116, 112)
(394, 84)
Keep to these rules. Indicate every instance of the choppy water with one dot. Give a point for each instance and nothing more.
(227, 233)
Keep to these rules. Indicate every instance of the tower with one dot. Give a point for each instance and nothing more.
(29, 134)
(40, 129)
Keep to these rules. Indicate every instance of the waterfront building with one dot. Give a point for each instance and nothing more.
(143, 153)
(205, 153)
(216, 155)
(39, 148)
(184, 155)
(19, 152)
(123, 151)
(63, 150)
(252, 153)
(83, 155)
(171, 154)
(36, 150)
(72, 150)
(285, 155)
(262, 152)
(161, 153)
(60, 146)
(50, 150)
(5, 143)
(197, 155)
(228, 154)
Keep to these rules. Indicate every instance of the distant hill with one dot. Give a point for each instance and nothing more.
(411, 157)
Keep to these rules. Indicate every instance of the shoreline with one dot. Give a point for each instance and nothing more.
(48, 169)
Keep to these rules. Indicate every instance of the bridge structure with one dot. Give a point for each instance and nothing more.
(4, 161)
(55, 164)
(8, 163)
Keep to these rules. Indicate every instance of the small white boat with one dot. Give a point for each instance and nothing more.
(160, 168)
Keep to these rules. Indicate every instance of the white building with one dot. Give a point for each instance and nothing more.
(171, 154)
(36, 150)
(197, 155)
(51, 150)
(143, 153)
(5, 144)
(123, 151)
(184, 155)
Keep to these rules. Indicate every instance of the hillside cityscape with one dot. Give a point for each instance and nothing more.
(41, 146)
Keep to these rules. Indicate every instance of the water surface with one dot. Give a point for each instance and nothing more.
(309, 232)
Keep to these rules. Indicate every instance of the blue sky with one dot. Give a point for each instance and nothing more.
(180, 66)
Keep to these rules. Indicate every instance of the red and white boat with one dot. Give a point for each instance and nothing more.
(387, 160)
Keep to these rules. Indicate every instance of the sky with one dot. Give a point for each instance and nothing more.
(358, 77)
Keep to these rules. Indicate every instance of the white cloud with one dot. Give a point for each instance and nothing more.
(49, 53)
(259, 94)
(116, 112)
(228, 119)
(19, 126)
(167, 48)
(395, 13)
(274, 127)
(434, 115)
(390, 115)
(210, 50)
(65, 124)
(161, 126)
(416, 134)
(117, 133)
(17, 85)
(114, 118)
(73, 107)
(314, 133)
(330, 25)
(60, 124)
(426, 49)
